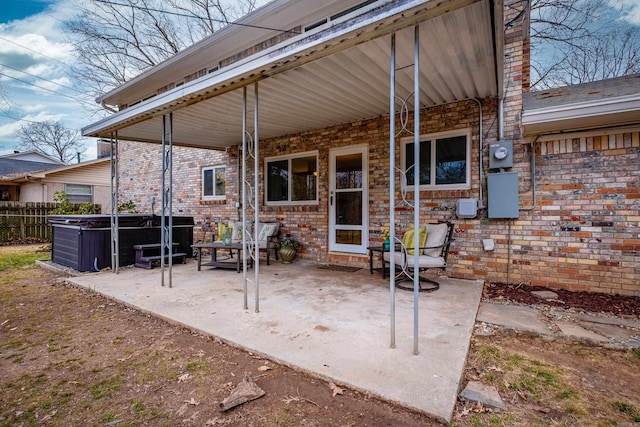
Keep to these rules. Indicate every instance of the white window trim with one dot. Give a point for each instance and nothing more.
(432, 137)
(290, 157)
(214, 197)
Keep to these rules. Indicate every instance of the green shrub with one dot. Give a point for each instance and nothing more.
(65, 207)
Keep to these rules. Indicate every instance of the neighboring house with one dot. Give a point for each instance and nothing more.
(19, 163)
(562, 210)
(84, 182)
(32, 156)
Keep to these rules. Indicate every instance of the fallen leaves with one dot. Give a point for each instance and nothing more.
(335, 389)
(184, 377)
(264, 368)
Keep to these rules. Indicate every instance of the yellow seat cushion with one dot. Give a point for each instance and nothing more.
(221, 229)
(408, 239)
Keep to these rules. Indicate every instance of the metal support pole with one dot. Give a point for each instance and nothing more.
(244, 196)
(392, 193)
(416, 183)
(115, 246)
(166, 221)
(256, 195)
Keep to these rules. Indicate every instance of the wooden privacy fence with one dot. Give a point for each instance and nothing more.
(20, 221)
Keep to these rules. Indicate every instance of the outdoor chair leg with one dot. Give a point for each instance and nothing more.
(432, 284)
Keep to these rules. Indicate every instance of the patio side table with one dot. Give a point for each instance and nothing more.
(214, 246)
(379, 250)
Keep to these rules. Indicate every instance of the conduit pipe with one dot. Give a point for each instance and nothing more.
(533, 174)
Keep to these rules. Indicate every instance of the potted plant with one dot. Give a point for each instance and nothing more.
(287, 249)
(385, 236)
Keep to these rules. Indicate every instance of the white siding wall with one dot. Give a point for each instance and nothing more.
(32, 192)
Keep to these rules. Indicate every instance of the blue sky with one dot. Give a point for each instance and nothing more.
(35, 57)
(20, 9)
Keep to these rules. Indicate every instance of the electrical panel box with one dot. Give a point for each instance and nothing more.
(502, 189)
(466, 208)
(501, 154)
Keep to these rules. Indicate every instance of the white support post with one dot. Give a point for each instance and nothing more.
(256, 203)
(115, 244)
(166, 221)
(245, 247)
(416, 184)
(392, 194)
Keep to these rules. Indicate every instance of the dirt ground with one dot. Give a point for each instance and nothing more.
(70, 357)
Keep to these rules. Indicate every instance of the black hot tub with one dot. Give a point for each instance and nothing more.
(83, 242)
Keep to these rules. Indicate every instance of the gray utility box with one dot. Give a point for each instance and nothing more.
(503, 195)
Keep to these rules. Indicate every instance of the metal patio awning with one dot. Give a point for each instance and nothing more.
(331, 76)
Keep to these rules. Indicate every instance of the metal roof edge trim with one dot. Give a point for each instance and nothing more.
(587, 132)
(576, 110)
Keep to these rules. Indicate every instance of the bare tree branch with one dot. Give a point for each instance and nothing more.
(578, 41)
(115, 40)
(51, 139)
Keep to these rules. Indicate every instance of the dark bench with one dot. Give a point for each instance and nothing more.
(148, 253)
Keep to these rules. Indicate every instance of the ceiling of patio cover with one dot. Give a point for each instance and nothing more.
(457, 61)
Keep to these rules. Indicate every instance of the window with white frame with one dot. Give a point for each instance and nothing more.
(214, 182)
(292, 179)
(79, 193)
(444, 161)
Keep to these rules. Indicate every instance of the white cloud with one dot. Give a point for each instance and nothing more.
(10, 130)
(34, 107)
(630, 10)
(38, 45)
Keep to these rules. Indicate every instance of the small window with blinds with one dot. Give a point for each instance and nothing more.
(79, 193)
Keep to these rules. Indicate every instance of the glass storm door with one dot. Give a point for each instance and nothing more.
(348, 200)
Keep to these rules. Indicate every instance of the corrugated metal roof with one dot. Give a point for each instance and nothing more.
(337, 75)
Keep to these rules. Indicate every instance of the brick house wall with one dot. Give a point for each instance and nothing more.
(580, 233)
(585, 231)
(140, 179)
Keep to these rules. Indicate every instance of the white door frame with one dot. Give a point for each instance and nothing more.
(364, 228)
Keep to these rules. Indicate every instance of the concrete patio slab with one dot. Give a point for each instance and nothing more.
(333, 324)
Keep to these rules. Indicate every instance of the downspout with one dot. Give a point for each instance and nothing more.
(106, 107)
(501, 118)
(480, 155)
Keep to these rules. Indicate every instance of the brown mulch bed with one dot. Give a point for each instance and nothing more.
(592, 302)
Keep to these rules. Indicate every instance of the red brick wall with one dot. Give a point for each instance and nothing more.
(140, 178)
(582, 233)
(589, 205)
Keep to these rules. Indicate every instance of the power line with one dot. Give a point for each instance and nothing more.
(32, 121)
(35, 51)
(41, 78)
(44, 88)
(184, 15)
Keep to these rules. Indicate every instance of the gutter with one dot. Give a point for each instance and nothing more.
(581, 110)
